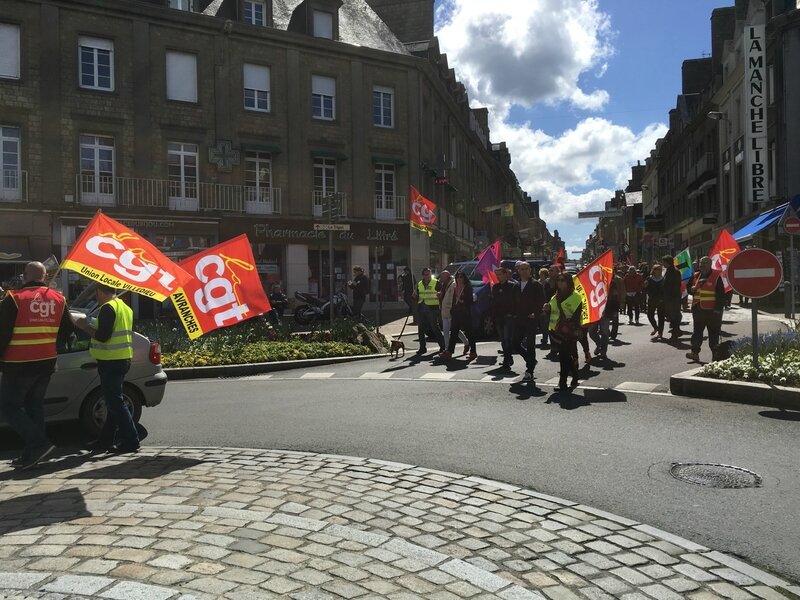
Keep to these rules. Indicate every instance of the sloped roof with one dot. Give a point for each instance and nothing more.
(359, 25)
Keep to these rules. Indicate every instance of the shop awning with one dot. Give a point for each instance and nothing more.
(761, 222)
(328, 154)
(389, 160)
(15, 250)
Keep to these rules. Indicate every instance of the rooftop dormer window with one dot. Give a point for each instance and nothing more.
(323, 24)
(187, 5)
(255, 12)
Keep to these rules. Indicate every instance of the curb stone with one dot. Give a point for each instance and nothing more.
(689, 383)
(184, 373)
(204, 523)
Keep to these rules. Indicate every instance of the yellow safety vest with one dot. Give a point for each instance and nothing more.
(427, 295)
(120, 345)
(705, 292)
(570, 304)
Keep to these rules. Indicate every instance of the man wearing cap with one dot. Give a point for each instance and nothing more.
(112, 348)
(34, 320)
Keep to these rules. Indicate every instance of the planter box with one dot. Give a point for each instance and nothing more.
(689, 383)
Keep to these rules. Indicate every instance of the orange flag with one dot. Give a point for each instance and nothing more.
(111, 254)
(593, 283)
(722, 253)
(226, 288)
(422, 213)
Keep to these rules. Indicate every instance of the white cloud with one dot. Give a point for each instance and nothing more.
(525, 52)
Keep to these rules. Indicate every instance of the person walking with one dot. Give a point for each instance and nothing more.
(654, 290)
(530, 299)
(112, 347)
(427, 311)
(615, 304)
(671, 294)
(461, 312)
(34, 320)
(447, 286)
(633, 294)
(708, 302)
(504, 294)
(407, 289)
(549, 288)
(360, 286)
(564, 310)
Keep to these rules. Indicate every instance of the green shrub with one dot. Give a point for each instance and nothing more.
(258, 352)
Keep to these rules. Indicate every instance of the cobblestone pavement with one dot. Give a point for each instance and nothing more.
(240, 524)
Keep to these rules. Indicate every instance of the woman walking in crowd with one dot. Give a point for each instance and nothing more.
(461, 315)
(633, 293)
(564, 309)
(445, 295)
(654, 289)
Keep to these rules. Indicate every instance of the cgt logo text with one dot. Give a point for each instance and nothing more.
(126, 263)
(217, 295)
(599, 293)
(43, 309)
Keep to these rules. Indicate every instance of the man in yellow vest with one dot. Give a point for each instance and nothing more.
(33, 320)
(428, 311)
(112, 348)
(708, 302)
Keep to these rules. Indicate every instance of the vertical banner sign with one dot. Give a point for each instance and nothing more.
(756, 151)
(109, 253)
(226, 290)
(593, 284)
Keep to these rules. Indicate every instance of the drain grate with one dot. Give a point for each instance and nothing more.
(716, 476)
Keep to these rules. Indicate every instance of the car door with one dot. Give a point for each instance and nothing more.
(75, 375)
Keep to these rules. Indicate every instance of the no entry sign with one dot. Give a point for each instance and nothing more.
(755, 273)
(792, 225)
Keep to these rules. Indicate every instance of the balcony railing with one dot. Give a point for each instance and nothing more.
(391, 208)
(176, 195)
(704, 165)
(321, 200)
(14, 186)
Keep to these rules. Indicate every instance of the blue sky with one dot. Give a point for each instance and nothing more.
(583, 84)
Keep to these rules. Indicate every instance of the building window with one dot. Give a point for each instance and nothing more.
(323, 24)
(323, 98)
(255, 12)
(10, 183)
(385, 201)
(9, 51)
(256, 88)
(181, 76)
(96, 58)
(324, 183)
(187, 5)
(97, 169)
(258, 178)
(383, 106)
(182, 170)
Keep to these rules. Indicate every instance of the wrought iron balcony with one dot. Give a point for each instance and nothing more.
(320, 201)
(14, 186)
(391, 208)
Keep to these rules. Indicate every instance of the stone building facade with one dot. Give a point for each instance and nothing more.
(193, 121)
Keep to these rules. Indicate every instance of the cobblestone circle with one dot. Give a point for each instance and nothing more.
(242, 524)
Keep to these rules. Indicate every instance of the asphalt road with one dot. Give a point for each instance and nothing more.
(603, 445)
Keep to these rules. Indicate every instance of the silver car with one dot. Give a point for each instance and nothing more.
(74, 391)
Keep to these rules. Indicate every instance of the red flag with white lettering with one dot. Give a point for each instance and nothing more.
(722, 253)
(116, 256)
(593, 283)
(226, 288)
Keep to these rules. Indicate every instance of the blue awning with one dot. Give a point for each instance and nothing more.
(761, 222)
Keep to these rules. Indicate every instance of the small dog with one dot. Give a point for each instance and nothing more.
(396, 347)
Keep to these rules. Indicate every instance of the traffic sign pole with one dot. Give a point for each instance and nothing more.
(754, 317)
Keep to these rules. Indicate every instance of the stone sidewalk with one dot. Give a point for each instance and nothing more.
(240, 524)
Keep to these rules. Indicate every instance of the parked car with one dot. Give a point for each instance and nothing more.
(482, 318)
(74, 391)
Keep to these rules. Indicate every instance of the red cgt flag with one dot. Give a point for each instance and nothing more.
(560, 259)
(593, 283)
(422, 212)
(722, 253)
(226, 289)
(111, 254)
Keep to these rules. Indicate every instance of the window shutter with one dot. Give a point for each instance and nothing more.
(98, 43)
(256, 77)
(182, 76)
(9, 50)
(323, 85)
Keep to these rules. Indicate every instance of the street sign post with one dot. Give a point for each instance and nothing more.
(755, 273)
(331, 227)
(792, 225)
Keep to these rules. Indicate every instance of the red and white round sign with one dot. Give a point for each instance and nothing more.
(792, 225)
(755, 273)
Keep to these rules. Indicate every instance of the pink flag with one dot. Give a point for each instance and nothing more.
(488, 261)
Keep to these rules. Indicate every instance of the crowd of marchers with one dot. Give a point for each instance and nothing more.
(545, 304)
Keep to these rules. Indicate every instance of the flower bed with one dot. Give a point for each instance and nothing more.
(260, 352)
(778, 361)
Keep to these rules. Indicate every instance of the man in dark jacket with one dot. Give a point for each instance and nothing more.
(360, 287)
(503, 308)
(529, 302)
(672, 296)
(407, 285)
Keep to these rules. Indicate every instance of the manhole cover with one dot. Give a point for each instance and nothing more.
(717, 476)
